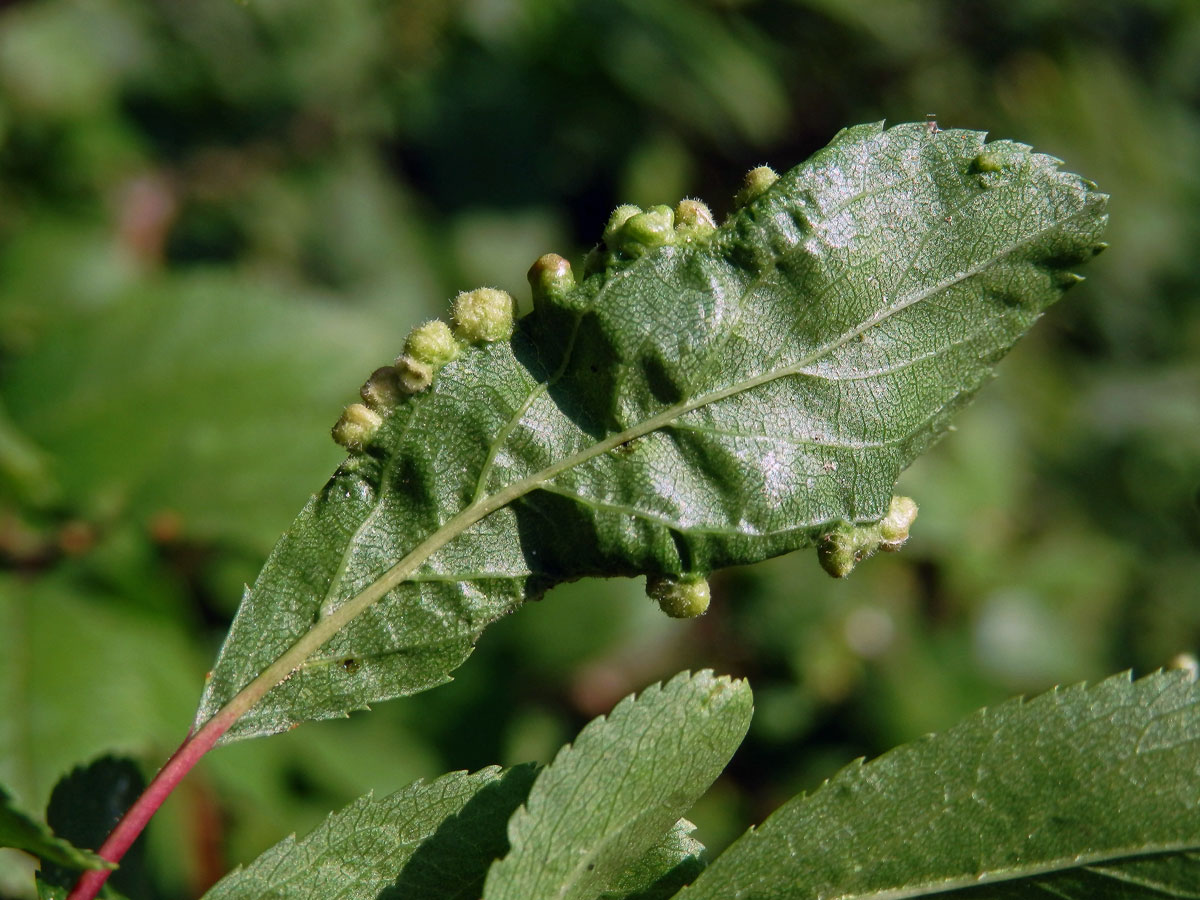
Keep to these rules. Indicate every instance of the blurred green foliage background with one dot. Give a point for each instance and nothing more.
(216, 219)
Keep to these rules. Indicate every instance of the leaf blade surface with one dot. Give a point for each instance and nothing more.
(709, 403)
(1081, 792)
(431, 840)
(663, 869)
(612, 795)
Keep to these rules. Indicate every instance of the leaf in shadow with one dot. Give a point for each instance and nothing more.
(430, 839)
(84, 807)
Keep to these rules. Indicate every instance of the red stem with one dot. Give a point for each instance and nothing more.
(117, 844)
(196, 745)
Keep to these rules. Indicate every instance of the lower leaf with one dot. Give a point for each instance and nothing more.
(428, 840)
(1085, 792)
(610, 797)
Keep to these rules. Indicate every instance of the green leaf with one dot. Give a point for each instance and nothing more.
(432, 841)
(606, 800)
(666, 867)
(722, 398)
(437, 840)
(24, 470)
(1084, 792)
(18, 830)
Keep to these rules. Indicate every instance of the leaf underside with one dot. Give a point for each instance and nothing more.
(607, 799)
(1084, 793)
(710, 403)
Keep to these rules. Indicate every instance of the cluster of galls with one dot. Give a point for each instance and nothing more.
(846, 546)
(485, 314)
(632, 232)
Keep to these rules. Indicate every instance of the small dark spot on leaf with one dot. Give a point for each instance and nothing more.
(591, 866)
(350, 664)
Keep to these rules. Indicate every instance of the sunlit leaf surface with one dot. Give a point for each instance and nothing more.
(607, 799)
(712, 402)
(1084, 792)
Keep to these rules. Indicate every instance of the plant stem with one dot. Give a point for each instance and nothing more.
(138, 816)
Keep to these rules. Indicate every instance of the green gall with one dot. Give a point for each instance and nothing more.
(846, 546)
(987, 162)
(680, 598)
(356, 427)
(382, 391)
(694, 219)
(484, 314)
(645, 231)
(414, 376)
(988, 169)
(841, 550)
(893, 528)
(616, 222)
(432, 343)
(550, 276)
(755, 185)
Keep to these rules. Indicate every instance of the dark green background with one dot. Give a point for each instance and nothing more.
(216, 219)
